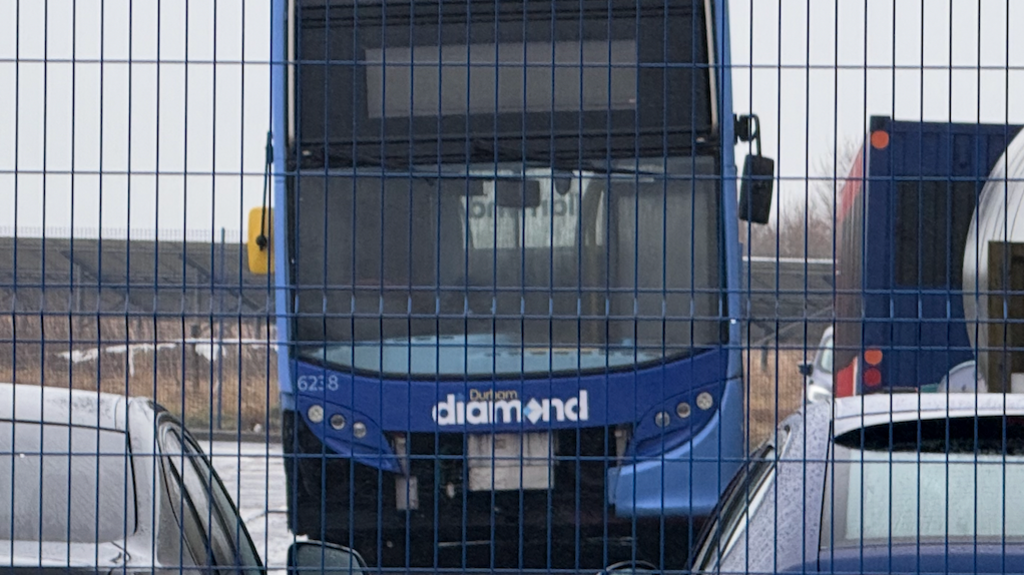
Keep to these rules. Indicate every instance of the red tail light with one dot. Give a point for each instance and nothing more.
(872, 377)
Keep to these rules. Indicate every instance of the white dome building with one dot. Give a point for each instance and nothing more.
(999, 217)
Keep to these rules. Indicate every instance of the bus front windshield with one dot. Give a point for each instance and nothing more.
(507, 270)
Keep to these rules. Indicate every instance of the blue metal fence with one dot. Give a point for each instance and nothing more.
(475, 286)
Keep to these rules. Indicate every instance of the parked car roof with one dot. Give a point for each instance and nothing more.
(876, 409)
(793, 513)
(54, 404)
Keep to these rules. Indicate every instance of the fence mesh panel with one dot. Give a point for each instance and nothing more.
(587, 286)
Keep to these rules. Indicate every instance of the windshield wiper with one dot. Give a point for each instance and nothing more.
(484, 151)
(388, 169)
(481, 151)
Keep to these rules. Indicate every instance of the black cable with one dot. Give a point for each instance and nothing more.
(261, 240)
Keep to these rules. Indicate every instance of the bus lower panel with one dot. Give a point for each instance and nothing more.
(569, 527)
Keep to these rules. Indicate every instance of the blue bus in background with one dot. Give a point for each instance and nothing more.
(903, 216)
(505, 251)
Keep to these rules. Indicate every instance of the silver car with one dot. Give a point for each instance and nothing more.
(100, 483)
(900, 483)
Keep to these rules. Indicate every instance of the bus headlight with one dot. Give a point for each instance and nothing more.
(315, 413)
(346, 432)
(705, 401)
(657, 431)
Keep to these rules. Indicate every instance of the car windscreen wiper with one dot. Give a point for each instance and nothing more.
(481, 151)
(484, 151)
(388, 169)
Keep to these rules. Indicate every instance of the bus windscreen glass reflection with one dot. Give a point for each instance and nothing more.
(474, 79)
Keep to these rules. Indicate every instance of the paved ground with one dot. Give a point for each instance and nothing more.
(254, 475)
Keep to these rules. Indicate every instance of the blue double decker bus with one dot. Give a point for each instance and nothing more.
(507, 272)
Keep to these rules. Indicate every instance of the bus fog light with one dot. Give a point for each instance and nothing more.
(705, 401)
(359, 430)
(338, 421)
(315, 413)
(683, 410)
(662, 419)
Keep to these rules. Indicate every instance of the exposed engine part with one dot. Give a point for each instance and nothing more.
(623, 434)
(407, 496)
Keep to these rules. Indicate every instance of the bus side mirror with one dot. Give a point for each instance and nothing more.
(260, 241)
(756, 189)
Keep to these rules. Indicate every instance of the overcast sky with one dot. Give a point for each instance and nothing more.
(140, 117)
(814, 70)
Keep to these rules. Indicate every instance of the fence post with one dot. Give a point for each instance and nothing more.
(219, 352)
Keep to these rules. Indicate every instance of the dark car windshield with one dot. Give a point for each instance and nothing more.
(933, 481)
(65, 483)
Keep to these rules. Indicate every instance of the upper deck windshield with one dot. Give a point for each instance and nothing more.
(488, 270)
(410, 82)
